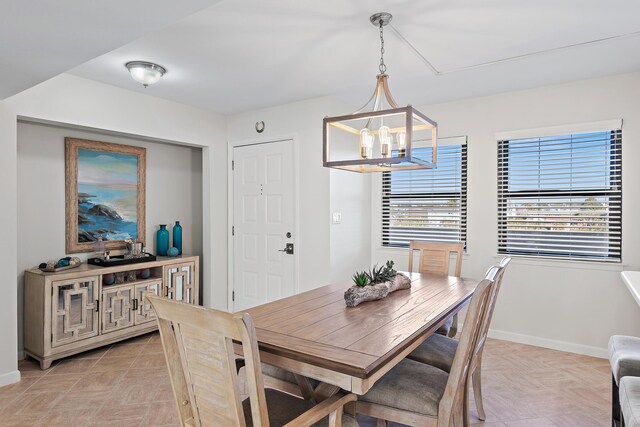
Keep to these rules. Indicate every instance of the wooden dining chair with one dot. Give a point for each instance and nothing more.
(199, 348)
(418, 394)
(436, 258)
(439, 351)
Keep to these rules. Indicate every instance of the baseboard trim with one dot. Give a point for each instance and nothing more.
(570, 347)
(9, 378)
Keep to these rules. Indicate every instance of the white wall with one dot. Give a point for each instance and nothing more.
(80, 102)
(350, 195)
(173, 192)
(320, 190)
(8, 253)
(574, 306)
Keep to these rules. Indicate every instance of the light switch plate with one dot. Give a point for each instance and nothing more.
(336, 217)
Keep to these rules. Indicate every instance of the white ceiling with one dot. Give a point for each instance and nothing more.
(239, 55)
(40, 39)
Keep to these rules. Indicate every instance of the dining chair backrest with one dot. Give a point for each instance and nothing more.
(435, 257)
(198, 346)
(499, 275)
(474, 324)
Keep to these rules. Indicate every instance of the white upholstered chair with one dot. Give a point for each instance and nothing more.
(630, 401)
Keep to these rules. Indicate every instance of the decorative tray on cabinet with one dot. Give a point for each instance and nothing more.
(57, 269)
(121, 260)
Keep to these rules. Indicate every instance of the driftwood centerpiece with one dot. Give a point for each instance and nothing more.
(375, 284)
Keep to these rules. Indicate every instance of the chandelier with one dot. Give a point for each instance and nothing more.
(380, 136)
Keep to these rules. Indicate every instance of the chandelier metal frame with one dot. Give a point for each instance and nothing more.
(380, 105)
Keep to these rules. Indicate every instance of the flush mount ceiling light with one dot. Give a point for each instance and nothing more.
(380, 136)
(146, 73)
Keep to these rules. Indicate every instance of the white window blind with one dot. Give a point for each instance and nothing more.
(561, 196)
(427, 204)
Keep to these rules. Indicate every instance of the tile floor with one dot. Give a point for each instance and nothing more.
(127, 384)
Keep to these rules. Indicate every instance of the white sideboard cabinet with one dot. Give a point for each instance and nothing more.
(72, 311)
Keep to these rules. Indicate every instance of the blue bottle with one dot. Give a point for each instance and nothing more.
(162, 240)
(177, 237)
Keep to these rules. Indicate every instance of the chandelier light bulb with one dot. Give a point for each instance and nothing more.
(146, 73)
(402, 143)
(384, 133)
(366, 143)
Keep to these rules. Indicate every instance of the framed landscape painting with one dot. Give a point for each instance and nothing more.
(105, 194)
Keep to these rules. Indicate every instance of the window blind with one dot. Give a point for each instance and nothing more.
(561, 196)
(427, 204)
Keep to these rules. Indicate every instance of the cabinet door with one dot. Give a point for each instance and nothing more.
(144, 312)
(180, 282)
(117, 308)
(74, 310)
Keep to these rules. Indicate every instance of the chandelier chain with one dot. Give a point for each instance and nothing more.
(383, 66)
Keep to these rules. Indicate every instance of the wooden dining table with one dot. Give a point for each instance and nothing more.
(316, 336)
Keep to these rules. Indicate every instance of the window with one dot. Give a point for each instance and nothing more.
(561, 196)
(427, 204)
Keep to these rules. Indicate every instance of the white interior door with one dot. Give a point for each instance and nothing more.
(263, 223)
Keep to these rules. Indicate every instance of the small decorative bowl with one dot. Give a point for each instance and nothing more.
(145, 273)
(173, 252)
(108, 279)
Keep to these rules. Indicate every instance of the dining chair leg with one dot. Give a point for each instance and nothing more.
(465, 406)
(476, 379)
(615, 404)
(458, 416)
(454, 327)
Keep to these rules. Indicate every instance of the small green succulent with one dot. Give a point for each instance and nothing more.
(381, 274)
(389, 267)
(374, 274)
(361, 279)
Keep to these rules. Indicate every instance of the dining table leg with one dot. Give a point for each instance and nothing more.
(306, 389)
(323, 391)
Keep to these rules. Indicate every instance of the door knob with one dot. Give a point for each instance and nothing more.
(288, 249)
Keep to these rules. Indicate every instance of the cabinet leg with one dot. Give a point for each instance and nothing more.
(45, 364)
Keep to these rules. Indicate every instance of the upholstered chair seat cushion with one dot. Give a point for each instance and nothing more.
(283, 408)
(444, 329)
(437, 350)
(630, 400)
(624, 356)
(411, 386)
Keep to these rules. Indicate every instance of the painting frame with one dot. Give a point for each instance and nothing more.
(72, 147)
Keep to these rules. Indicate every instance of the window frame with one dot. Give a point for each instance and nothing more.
(386, 197)
(613, 192)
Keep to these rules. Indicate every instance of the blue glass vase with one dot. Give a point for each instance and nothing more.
(162, 240)
(177, 237)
